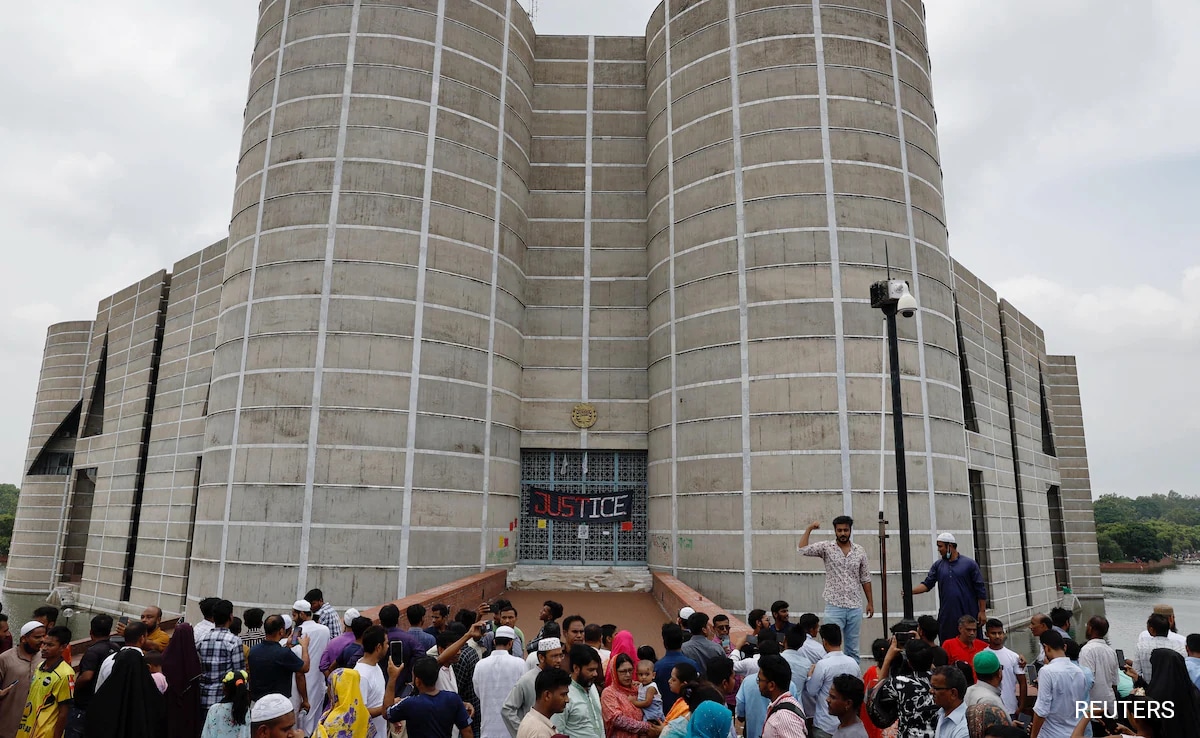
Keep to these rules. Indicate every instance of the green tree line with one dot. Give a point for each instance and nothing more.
(1147, 527)
(8, 514)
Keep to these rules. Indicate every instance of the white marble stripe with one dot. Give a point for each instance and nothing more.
(314, 416)
(588, 152)
(241, 385)
(493, 297)
(835, 266)
(419, 314)
(671, 305)
(916, 278)
(743, 311)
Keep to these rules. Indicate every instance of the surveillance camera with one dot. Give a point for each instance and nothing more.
(906, 305)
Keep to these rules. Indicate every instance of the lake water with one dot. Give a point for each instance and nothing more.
(1128, 601)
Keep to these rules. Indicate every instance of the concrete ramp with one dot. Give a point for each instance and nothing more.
(638, 612)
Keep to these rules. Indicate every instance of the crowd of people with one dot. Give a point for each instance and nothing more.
(433, 673)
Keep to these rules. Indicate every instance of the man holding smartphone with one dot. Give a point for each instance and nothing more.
(274, 664)
(377, 690)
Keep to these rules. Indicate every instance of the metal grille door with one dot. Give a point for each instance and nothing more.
(583, 472)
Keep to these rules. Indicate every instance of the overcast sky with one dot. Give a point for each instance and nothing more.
(1068, 140)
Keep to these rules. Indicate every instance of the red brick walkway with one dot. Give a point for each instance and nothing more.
(637, 612)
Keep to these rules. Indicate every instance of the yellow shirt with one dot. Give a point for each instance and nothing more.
(157, 641)
(50, 689)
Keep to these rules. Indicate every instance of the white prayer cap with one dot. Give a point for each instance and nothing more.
(270, 707)
(29, 627)
(686, 612)
(287, 621)
(549, 644)
(947, 538)
(348, 618)
(505, 631)
(301, 606)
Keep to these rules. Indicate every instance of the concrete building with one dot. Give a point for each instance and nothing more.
(466, 260)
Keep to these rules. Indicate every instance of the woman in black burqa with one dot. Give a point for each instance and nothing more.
(1172, 684)
(181, 667)
(128, 704)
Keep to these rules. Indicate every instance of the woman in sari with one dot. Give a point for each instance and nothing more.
(347, 716)
(181, 667)
(622, 643)
(710, 720)
(622, 718)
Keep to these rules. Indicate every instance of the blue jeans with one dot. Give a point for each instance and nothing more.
(849, 619)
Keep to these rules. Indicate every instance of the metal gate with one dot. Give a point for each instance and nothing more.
(583, 472)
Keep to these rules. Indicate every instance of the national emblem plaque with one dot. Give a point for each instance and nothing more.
(583, 415)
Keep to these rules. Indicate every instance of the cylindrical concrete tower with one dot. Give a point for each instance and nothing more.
(364, 401)
(37, 542)
(793, 153)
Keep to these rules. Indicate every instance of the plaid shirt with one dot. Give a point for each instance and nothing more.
(220, 652)
(328, 617)
(782, 722)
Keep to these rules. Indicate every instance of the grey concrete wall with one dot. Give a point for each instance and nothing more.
(38, 530)
(1062, 385)
(782, 177)
(585, 315)
(177, 431)
(367, 379)
(128, 323)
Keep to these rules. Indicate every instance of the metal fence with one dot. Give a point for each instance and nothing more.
(591, 473)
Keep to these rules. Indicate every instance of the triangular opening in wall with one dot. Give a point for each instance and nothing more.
(93, 425)
(1047, 427)
(58, 453)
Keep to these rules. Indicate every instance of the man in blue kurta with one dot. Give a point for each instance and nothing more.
(960, 587)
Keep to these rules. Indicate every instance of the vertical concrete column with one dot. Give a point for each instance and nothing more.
(792, 157)
(366, 373)
(34, 556)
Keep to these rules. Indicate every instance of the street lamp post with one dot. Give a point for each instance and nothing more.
(892, 296)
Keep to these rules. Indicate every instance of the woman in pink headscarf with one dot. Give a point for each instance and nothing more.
(622, 644)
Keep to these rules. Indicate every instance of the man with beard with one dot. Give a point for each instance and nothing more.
(523, 696)
(583, 718)
(846, 571)
(16, 673)
(53, 686)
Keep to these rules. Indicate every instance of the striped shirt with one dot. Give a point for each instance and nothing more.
(782, 722)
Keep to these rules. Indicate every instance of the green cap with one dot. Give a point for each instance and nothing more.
(986, 663)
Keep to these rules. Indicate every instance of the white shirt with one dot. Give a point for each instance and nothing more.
(817, 687)
(318, 639)
(106, 667)
(746, 667)
(494, 678)
(1060, 684)
(1177, 637)
(954, 724)
(813, 649)
(1010, 664)
(372, 684)
(1102, 660)
(202, 628)
(1141, 662)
